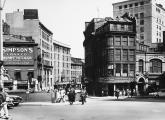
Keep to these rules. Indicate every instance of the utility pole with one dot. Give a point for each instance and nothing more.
(1, 46)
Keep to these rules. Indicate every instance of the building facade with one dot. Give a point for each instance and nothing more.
(150, 17)
(76, 71)
(20, 63)
(110, 54)
(27, 23)
(62, 63)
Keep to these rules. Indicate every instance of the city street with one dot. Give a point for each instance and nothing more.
(96, 108)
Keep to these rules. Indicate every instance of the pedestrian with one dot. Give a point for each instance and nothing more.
(71, 96)
(3, 104)
(117, 92)
(83, 94)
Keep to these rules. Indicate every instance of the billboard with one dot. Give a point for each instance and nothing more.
(18, 55)
(30, 14)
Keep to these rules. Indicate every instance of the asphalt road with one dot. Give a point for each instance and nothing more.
(95, 109)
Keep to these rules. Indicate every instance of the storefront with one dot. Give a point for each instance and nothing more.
(20, 62)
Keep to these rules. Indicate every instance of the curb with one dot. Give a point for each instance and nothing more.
(42, 104)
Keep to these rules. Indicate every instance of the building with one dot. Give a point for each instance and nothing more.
(76, 71)
(20, 62)
(110, 52)
(27, 23)
(62, 63)
(150, 17)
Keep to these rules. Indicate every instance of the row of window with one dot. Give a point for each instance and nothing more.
(120, 41)
(115, 27)
(120, 27)
(64, 73)
(61, 57)
(76, 67)
(64, 65)
(120, 55)
(155, 66)
(76, 73)
(118, 70)
(62, 49)
(132, 5)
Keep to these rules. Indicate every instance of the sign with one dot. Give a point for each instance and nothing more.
(30, 14)
(18, 55)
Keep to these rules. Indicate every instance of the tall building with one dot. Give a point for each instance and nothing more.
(62, 63)
(27, 23)
(150, 17)
(110, 52)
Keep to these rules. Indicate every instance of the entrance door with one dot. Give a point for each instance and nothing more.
(141, 84)
(111, 90)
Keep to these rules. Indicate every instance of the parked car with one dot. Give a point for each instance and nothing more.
(10, 103)
(160, 93)
(15, 99)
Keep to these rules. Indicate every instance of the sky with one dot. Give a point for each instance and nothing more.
(65, 18)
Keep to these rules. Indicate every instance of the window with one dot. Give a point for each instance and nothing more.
(132, 70)
(136, 15)
(130, 5)
(117, 54)
(117, 41)
(17, 75)
(115, 27)
(125, 54)
(155, 66)
(118, 69)
(110, 54)
(125, 41)
(141, 37)
(141, 22)
(141, 66)
(131, 55)
(110, 41)
(136, 4)
(141, 3)
(131, 41)
(125, 69)
(125, 6)
(130, 28)
(120, 7)
(141, 29)
(122, 28)
(141, 15)
(159, 27)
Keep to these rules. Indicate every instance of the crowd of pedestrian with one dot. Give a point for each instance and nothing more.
(70, 94)
(127, 92)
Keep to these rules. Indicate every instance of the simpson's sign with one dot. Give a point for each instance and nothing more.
(18, 55)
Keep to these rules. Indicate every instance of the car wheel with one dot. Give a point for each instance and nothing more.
(16, 104)
(157, 96)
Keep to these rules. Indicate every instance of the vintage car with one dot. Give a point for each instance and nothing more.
(15, 99)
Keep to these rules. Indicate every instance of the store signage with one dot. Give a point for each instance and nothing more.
(18, 55)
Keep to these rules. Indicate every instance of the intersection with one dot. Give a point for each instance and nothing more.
(96, 108)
